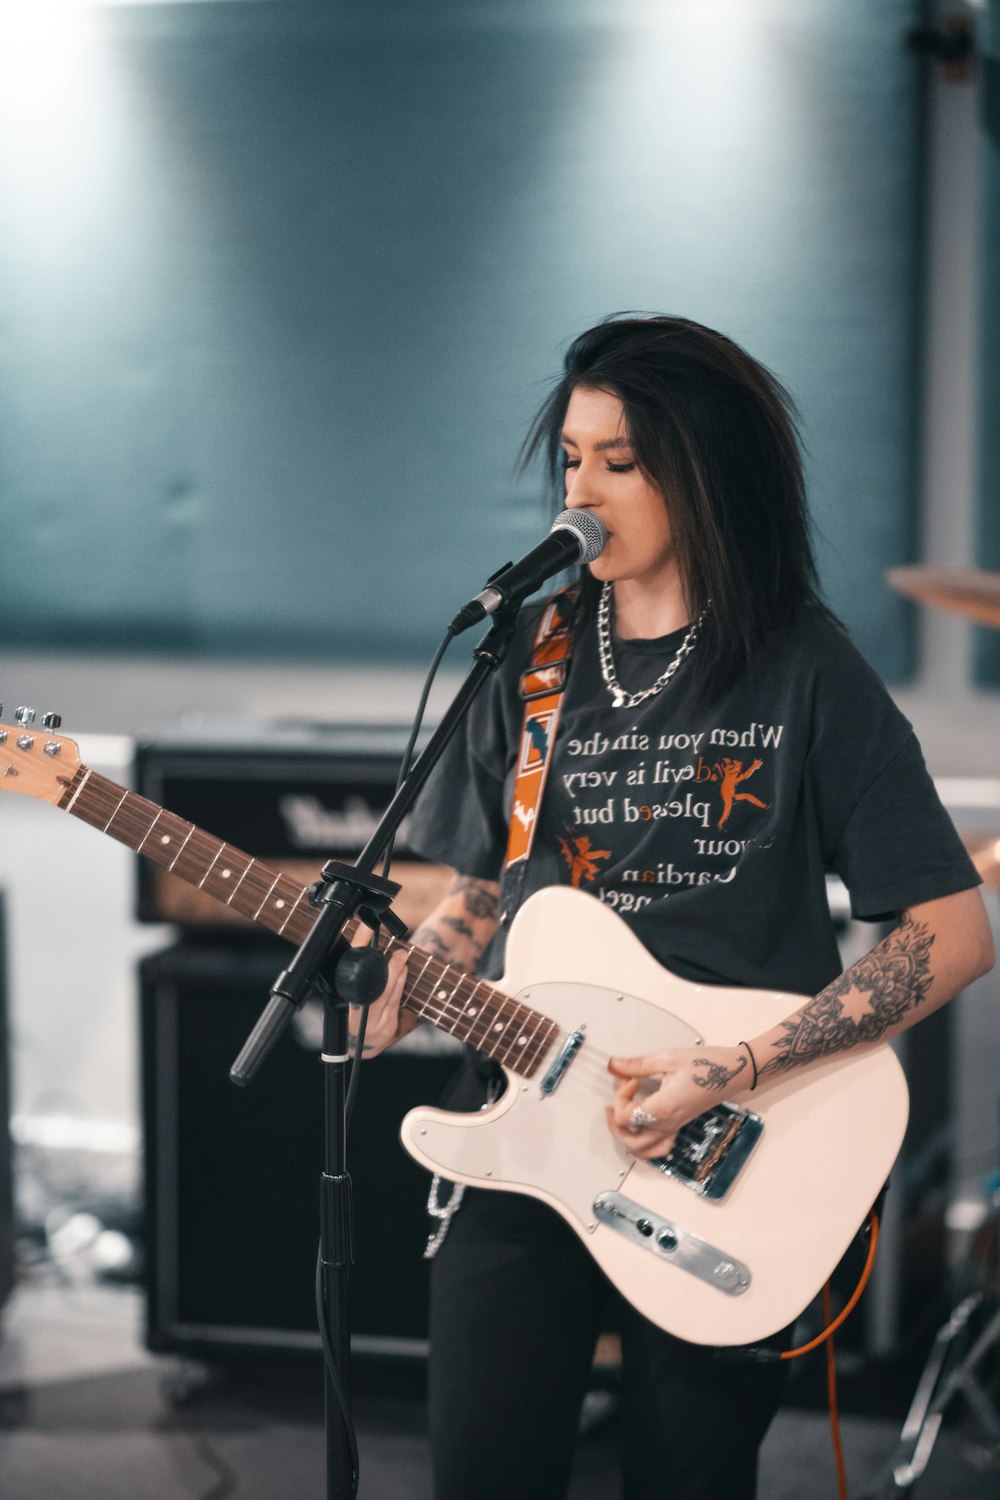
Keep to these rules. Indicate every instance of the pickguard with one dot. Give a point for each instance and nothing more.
(557, 1144)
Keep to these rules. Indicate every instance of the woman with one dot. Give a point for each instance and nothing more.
(721, 747)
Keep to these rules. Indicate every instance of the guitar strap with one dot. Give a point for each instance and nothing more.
(541, 690)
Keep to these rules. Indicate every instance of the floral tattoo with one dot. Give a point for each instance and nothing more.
(894, 977)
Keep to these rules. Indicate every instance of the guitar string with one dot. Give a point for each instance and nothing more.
(501, 1010)
(587, 1068)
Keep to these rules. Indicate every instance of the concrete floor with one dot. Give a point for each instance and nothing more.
(87, 1414)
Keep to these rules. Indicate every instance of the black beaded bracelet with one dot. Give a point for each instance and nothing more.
(753, 1064)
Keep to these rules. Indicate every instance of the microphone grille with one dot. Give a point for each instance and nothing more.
(588, 529)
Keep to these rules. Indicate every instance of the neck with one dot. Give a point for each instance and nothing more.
(644, 614)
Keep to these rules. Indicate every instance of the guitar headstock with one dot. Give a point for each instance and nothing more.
(37, 763)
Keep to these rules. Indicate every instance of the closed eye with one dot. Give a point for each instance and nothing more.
(612, 468)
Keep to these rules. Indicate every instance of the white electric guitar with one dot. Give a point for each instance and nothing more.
(723, 1241)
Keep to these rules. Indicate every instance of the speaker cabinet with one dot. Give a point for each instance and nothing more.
(232, 1175)
(6, 1164)
(290, 795)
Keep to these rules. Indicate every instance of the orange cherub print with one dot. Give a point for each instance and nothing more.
(581, 859)
(732, 774)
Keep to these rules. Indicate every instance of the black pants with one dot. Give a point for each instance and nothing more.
(516, 1307)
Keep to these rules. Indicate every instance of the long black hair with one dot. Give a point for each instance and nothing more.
(716, 433)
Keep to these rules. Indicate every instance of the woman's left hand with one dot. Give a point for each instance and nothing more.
(658, 1094)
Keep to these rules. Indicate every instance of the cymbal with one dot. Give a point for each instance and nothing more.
(966, 591)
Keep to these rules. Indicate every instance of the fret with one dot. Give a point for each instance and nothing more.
(208, 872)
(80, 784)
(117, 810)
(476, 1013)
(291, 914)
(483, 1010)
(139, 846)
(166, 836)
(194, 856)
(267, 893)
(225, 873)
(253, 888)
(471, 1009)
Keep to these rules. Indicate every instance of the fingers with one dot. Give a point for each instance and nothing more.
(637, 1067)
(383, 1014)
(645, 1143)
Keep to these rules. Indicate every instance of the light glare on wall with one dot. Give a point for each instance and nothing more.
(54, 105)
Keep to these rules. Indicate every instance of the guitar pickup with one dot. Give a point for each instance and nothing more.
(565, 1056)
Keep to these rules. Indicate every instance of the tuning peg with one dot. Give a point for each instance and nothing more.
(25, 716)
(51, 721)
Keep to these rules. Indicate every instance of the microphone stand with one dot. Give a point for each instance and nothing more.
(343, 892)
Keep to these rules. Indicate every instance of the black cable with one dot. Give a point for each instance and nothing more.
(330, 1358)
(329, 1354)
(404, 771)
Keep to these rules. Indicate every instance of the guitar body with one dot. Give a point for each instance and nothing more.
(828, 1141)
(782, 1183)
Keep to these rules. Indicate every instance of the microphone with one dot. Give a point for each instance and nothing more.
(576, 536)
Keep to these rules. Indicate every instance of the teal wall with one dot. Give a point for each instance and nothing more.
(281, 283)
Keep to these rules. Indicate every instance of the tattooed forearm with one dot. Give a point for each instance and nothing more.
(431, 941)
(462, 924)
(462, 928)
(718, 1076)
(893, 980)
(480, 897)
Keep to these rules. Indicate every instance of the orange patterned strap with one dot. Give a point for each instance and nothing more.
(541, 689)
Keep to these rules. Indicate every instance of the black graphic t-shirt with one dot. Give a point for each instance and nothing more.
(710, 832)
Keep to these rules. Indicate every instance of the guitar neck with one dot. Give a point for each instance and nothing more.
(439, 992)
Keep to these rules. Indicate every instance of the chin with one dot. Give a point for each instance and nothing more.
(603, 570)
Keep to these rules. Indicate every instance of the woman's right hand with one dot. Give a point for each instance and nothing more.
(457, 931)
(385, 1023)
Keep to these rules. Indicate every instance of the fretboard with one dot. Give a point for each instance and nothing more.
(439, 992)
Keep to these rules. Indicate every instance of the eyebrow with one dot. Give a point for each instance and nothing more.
(601, 447)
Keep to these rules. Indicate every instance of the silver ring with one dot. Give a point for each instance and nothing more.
(641, 1119)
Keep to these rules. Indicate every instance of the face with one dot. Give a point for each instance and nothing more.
(601, 475)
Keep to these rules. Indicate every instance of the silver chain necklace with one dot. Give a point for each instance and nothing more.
(619, 697)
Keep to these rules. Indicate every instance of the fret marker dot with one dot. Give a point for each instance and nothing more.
(164, 838)
(521, 1040)
(279, 903)
(498, 1026)
(442, 995)
(471, 1010)
(226, 874)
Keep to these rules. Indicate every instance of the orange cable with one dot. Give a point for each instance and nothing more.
(831, 1397)
(827, 1337)
(852, 1304)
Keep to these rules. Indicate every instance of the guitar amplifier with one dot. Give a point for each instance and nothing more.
(231, 1175)
(6, 1158)
(293, 795)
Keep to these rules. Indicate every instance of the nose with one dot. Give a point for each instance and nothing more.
(581, 490)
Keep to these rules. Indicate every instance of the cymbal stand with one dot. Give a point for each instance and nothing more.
(953, 1368)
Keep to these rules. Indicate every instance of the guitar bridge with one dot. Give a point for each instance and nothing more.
(711, 1150)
